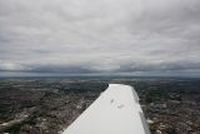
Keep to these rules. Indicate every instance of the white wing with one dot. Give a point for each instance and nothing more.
(116, 111)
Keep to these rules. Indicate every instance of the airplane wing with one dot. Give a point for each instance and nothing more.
(116, 111)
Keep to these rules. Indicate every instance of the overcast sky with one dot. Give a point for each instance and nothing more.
(100, 36)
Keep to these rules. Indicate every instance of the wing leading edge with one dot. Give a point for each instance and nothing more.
(116, 111)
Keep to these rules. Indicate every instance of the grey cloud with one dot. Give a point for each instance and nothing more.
(90, 36)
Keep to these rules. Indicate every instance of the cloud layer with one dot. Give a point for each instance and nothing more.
(84, 36)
